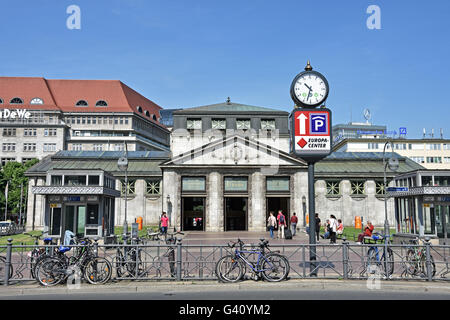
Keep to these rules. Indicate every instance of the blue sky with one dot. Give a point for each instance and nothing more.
(190, 53)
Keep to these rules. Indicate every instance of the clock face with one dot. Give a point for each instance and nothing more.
(309, 88)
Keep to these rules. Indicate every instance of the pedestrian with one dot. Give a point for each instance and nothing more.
(281, 219)
(368, 229)
(333, 228)
(340, 228)
(271, 223)
(326, 234)
(317, 226)
(164, 224)
(294, 221)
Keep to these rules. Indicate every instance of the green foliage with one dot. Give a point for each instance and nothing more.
(14, 173)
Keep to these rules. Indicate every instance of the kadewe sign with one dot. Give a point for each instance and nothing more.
(311, 133)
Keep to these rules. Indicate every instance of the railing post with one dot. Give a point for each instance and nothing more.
(179, 259)
(345, 256)
(8, 261)
(428, 256)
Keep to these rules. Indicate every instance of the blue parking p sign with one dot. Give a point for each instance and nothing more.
(318, 123)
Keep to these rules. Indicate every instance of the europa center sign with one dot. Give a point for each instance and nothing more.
(311, 134)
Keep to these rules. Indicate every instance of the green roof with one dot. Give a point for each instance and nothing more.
(228, 107)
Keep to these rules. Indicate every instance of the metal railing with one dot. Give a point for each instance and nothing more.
(11, 230)
(178, 262)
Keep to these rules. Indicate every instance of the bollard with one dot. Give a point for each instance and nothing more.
(179, 259)
(428, 256)
(345, 256)
(8, 261)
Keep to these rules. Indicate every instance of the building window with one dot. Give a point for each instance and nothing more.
(25, 160)
(6, 160)
(418, 159)
(153, 186)
(194, 124)
(36, 101)
(434, 160)
(50, 132)
(379, 188)
(446, 159)
(81, 103)
(9, 147)
(83, 120)
(373, 145)
(77, 147)
(75, 180)
(333, 187)
(49, 147)
(118, 147)
(16, 101)
(139, 108)
(29, 147)
(446, 146)
(98, 147)
(101, 103)
(1, 101)
(357, 187)
(9, 132)
(219, 124)
(131, 187)
(277, 184)
(243, 124)
(400, 146)
(267, 124)
(433, 146)
(56, 180)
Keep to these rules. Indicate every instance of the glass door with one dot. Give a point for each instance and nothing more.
(70, 219)
(81, 220)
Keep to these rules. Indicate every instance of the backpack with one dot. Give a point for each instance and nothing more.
(281, 219)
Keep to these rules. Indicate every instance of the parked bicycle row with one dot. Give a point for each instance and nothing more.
(168, 259)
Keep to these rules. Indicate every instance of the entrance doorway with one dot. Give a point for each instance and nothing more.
(278, 203)
(75, 219)
(235, 214)
(193, 214)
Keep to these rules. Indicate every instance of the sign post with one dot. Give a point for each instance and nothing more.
(310, 135)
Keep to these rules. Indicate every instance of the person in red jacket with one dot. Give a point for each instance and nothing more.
(368, 229)
(294, 221)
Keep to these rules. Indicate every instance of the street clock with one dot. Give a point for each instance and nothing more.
(309, 89)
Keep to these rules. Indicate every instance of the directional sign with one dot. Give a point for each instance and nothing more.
(311, 134)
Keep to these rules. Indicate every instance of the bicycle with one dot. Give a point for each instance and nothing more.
(128, 259)
(3, 270)
(56, 269)
(386, 261)
(416, 259)
(272, 266)
(37, 254)
(170, 253)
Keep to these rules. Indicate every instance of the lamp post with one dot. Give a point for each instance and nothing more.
(122, 163)
(392, 163)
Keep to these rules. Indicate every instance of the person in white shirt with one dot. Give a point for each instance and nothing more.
(333, 228)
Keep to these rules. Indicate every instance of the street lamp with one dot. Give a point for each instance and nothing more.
(122, 163)
(393, 165)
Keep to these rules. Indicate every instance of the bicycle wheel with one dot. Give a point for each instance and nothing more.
(50, 271)
(120, 264)
(3, 270)
(97, 270)
(275, 267)
(135, 261)
(423, 265)
(389, 261)
(411, 262)
(229, 269)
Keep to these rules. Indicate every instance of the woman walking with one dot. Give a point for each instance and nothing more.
(271, 223)
(333, 228)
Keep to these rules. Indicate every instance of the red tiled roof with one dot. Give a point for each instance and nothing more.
(64, 94)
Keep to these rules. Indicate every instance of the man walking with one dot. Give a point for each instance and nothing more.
(281, 224)
(294, 221)
(317, 226)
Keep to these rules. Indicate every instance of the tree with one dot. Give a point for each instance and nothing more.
(14, 173)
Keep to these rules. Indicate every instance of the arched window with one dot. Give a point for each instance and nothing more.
(154, 118)
(139, 108)
(36, 101)
(147, 113)
(16, 101)
(1, 101)
(101, 103)
(81, 103)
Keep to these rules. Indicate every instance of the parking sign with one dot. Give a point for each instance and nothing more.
(311, 133)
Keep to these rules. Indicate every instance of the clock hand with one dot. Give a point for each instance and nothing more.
(307, 87)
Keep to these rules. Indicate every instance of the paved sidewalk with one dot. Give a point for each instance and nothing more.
(214, 286)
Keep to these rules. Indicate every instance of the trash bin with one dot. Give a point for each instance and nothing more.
(358, 224)
(139, 221)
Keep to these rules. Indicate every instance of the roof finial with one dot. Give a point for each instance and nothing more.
(308, 67)
(228, 100)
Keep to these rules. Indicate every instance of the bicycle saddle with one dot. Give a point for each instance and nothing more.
(63, 249)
